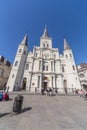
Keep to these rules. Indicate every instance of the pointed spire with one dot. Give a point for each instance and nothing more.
(66, 45)
(25, 40)
(45, 33)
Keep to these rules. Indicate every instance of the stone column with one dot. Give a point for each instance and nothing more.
(55, 82)
(52, 81)
(30, 82)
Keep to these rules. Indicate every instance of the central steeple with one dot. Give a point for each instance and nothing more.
(45, 40)
(45, 33)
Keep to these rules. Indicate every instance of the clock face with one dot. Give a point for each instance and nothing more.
(45, 42)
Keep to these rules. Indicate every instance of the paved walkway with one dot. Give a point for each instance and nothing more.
(45, 113)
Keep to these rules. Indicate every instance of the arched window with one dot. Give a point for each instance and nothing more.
(24, 52)
(73, 67)
(46, 68)
(51, 65)
(16, 63)
(81, 75)
(1, 72)
(27, 66)
(43, 45)
(40, 65)
(63, 70)
(47, 45)
(36, 54)
(66, 56)
(12, 75)
(43, 67)
(70, 55)
(20, 50)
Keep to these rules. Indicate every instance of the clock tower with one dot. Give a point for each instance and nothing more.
(45, 40)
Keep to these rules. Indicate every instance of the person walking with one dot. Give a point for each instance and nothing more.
(4, 89)
(7, 89)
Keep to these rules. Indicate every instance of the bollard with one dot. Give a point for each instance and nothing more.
(18, 104)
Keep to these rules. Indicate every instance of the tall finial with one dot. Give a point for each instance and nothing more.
(45, 33)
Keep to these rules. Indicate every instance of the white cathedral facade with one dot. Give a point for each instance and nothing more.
(44, 67)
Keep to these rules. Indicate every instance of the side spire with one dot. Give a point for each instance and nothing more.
(66, 45)
(45, 33)
(25, 40)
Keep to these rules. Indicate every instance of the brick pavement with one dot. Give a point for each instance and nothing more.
(45, 113)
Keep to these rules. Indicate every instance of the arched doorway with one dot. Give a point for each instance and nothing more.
(24, 84)
(45, 83)
(65, 86)
(85, 86)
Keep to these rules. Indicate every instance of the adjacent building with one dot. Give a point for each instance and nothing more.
(5, 68)
(44, 68)
(82, 72)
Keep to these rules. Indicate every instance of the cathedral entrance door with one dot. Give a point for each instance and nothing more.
(24, 84)
(45, 85)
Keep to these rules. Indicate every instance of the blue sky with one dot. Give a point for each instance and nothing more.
(63, 18)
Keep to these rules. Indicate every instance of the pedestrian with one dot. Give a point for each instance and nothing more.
(42, 91)
(50, 91)
(4, 88)
(7, 89)
(81, 93)
(76, 91)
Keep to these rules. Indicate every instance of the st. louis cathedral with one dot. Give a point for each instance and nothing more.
(44, 67)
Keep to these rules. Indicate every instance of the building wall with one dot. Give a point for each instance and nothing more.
(5, 68)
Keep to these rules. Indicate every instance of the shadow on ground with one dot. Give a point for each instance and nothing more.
(14, 113)
(6, 100)
(9, 99)
(26, 109)
(3, 114)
